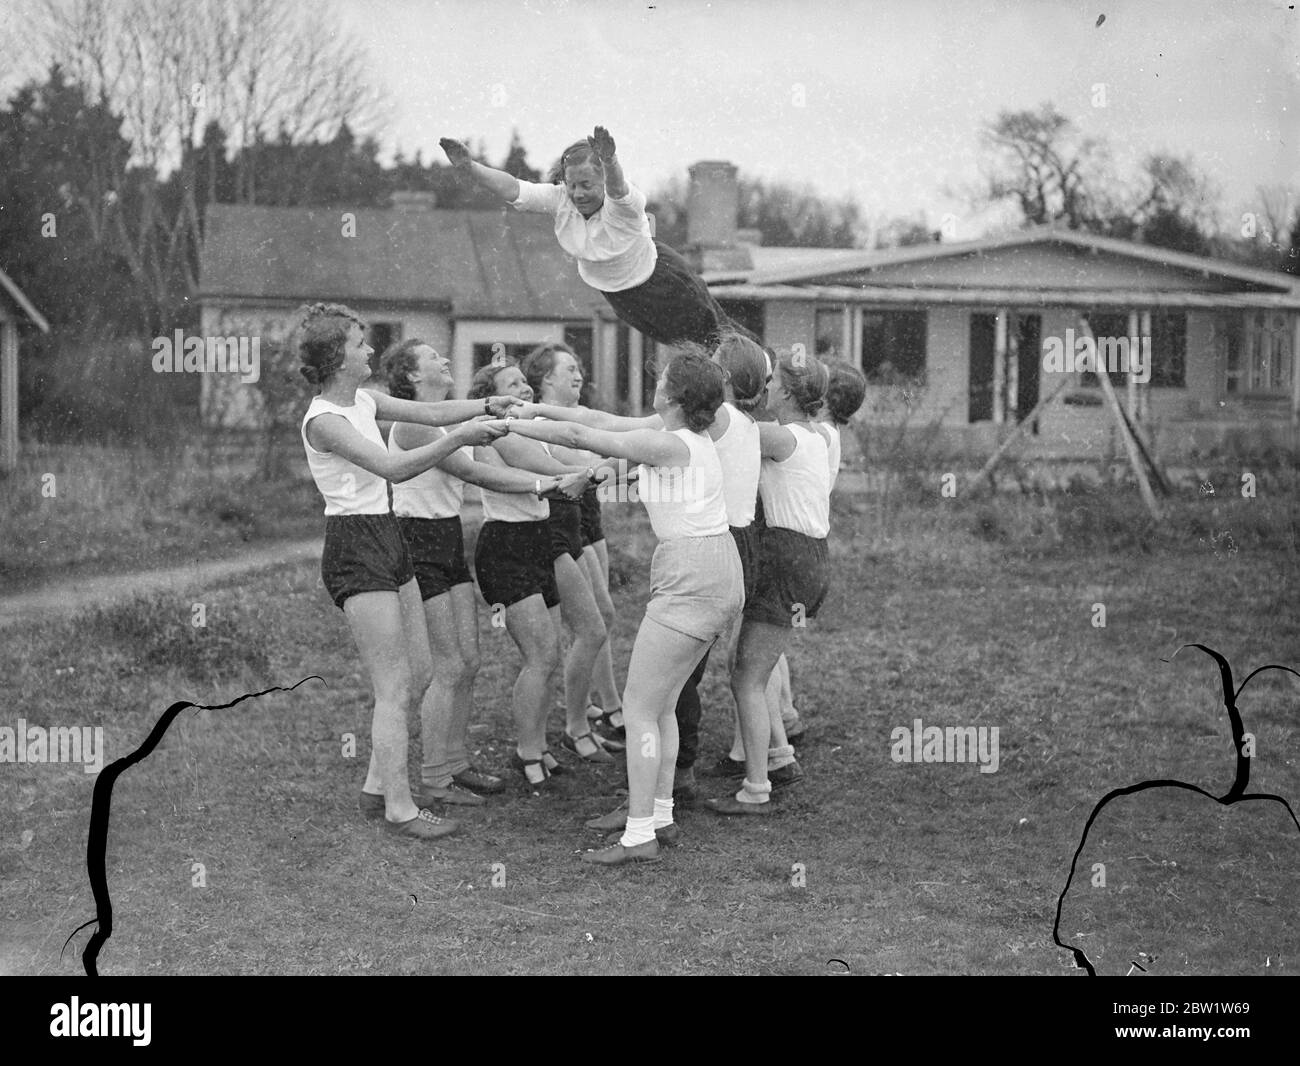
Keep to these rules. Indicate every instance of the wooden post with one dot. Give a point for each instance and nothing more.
(1000, 368)
(8, 396)
(1295, 368)
(846, 333)
(1144, 390)
(1130, 382)
(1130, 444)
(1013, 368)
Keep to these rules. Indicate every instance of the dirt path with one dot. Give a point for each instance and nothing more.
(63, 598)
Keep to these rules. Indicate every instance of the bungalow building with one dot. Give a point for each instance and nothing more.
(471, 283)
(965, 337)
(970, 336)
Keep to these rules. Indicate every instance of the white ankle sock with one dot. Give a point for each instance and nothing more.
(638, 831)
(779, 757)
(663, 813)
(752, 793)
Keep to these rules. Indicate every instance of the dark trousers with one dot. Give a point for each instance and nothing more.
(674, 305)
(688, 718)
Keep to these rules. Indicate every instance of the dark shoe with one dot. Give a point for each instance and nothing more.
(785, 776)
(608, 741)
(370, 805)
(728, 767)
(668, 836)
(424, 826)
(476, 780)
(615, 819)
(521, 764)
(453, 795)
(617, 855)
(553, 768)
(606, 724)
(731, 805)
(597, 755)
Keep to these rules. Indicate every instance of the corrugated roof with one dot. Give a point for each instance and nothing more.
(485, 264)
(908, 294)
(823, 264)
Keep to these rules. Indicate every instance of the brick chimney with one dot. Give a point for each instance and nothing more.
(712, 204)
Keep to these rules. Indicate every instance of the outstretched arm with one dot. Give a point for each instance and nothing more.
(498, 181)
(654, 447)
(588, 416)
(440, 412)
(603, 145)
(334, 433)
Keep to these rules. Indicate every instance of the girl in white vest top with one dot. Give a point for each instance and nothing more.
(365, 566)
(697, 585)
(513, 566)
(735, 436)
(428, 513)
(555, 377)
(794, 566)
(845, 393)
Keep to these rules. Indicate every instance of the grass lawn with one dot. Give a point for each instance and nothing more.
(956, 612)
(72, 510)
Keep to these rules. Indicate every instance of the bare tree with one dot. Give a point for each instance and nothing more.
(261, 69)
(1039, 161)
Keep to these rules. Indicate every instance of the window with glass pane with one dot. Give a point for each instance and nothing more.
(828, 333)
(893, 346)
(1169, 349)
(1268, 355)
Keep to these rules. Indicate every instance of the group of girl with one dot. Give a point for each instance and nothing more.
(703, 460)
(399, 573)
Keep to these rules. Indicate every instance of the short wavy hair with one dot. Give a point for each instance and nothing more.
(696, 383)
(399, 362)
(805, 380)
(321, 337)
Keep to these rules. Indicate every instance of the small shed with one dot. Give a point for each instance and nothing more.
(15, 308)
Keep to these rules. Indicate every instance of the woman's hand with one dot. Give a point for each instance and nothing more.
(524, 410)
(504, 405)
(602, 144)
(457, 153)
(479, 432)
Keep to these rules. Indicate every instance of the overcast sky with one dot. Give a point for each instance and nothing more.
(893, 91)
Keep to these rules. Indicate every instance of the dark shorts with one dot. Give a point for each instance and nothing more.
(437, 547)
(673, 304)
(592, 530)
(566, 529)
(793, 578)
(748, 546)
(363, 553)
(512, 561)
